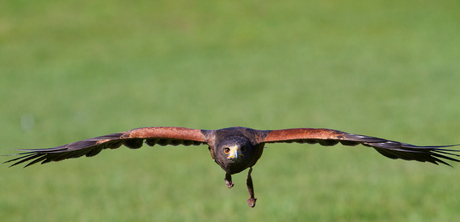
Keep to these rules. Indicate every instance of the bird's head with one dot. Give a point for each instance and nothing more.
(235, 154)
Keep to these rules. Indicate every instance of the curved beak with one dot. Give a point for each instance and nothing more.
(235, 152)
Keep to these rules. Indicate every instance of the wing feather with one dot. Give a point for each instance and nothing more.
(132, 139)
(388, 148)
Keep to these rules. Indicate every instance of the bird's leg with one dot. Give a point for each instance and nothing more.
(228, 180)
(252, 199)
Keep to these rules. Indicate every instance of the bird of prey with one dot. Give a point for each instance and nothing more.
(235, 149)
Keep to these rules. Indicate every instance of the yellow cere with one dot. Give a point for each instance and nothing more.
(235, 152)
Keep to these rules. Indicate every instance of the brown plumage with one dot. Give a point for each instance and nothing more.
(234, 149)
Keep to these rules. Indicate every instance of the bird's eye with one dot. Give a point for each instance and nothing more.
(226, 150)
(243, 148)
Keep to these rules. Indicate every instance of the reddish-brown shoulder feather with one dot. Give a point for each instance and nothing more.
(132, 139)
(388, 148)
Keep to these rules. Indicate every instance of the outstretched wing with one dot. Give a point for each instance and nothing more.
(388, 148)
(132, 139)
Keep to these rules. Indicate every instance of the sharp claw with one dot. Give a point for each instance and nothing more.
(229, 184)
(252, 202)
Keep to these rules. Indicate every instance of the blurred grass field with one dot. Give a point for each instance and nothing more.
(80, 69)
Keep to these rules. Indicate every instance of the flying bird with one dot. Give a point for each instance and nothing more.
(234, 149)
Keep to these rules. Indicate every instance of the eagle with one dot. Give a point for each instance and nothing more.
(235, 149)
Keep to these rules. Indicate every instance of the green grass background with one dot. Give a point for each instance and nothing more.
(71, 70)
